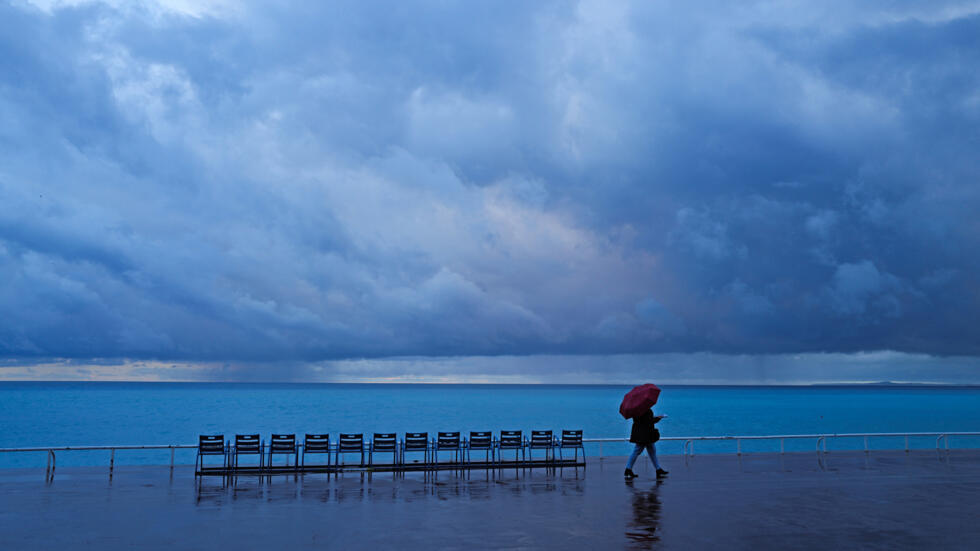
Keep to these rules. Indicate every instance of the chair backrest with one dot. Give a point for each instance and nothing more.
(247, 443)
(571, 438)
(351, 442)
(416, 441)
(316, 443)
(211, 444)
(480, 440)
(384, 442)
(282, 443)
(448, 440)
(541, 439)
(511, 439)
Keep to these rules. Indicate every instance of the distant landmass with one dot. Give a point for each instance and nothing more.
(893, 383)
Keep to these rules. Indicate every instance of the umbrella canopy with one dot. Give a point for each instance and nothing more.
(639, 400)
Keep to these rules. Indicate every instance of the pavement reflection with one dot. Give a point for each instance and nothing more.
(799, 501)
(646, 514)
(390, 487)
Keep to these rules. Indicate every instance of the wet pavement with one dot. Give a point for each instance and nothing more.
(885, 500)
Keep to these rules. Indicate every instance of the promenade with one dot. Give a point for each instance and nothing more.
(846, 500)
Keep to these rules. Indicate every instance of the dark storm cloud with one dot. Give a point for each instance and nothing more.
(223, 182)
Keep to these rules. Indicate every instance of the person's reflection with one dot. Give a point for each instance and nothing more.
(646, 515)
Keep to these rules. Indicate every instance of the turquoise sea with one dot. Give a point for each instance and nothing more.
(64, 414)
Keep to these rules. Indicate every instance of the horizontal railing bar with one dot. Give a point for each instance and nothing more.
(584, 440)
(778, 436)
(90, 448)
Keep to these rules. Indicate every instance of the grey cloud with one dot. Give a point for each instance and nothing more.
(330, 181)
(859, 287)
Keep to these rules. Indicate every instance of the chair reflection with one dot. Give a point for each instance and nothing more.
(389, 486)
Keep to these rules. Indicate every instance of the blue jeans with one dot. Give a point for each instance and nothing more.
(651, 451)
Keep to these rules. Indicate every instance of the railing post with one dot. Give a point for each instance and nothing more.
(47, 470)
(112, 461)
(906, 443)
(866, 444)
(738, 446)
(600, 450)
(171, 459)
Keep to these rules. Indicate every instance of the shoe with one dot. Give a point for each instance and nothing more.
(662, 473)
(629, 474)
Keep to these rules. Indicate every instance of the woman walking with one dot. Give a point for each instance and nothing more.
(644, 435)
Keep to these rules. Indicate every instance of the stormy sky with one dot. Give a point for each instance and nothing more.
(275, 190)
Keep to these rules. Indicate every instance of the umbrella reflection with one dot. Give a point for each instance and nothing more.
(642, 530)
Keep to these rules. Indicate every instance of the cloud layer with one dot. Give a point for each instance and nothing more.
(253, 182)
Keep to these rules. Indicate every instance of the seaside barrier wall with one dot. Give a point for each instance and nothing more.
(596, 448)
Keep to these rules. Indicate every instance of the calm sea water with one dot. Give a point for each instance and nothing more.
(63, 414)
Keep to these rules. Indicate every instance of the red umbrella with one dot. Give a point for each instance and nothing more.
(639, 400)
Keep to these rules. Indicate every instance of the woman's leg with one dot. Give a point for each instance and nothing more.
(637, 450)
(652, 452)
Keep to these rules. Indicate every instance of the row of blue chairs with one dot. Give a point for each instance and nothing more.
(388, 442)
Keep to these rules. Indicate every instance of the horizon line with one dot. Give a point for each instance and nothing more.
(485, 383)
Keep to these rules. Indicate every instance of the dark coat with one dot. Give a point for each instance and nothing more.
(643, 430)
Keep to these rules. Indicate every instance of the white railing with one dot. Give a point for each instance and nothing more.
(942, 438)
(49, 470)
(942, 441)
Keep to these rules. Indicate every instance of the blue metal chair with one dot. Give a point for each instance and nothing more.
(416, 442)
(350, 443)
(542, 440)
(384, 442)
(480, 440)
(447, 441)
(249, 444)
(316, 443)
(571, 439)
(210, 445)
(511, 440)
(284, 444)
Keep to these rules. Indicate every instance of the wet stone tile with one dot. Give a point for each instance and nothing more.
(886, 500)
